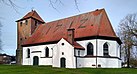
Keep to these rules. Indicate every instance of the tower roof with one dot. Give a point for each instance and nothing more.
(95, 23)
(32, 14)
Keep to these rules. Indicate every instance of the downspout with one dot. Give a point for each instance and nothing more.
(97, 32)
(75, 56)
(52, 56)
(120, 54)
(96, 50)
(76, 61)
(120, 50)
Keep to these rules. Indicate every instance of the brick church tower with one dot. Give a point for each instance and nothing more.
(25, 28)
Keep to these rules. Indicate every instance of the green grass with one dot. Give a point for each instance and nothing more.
(14, 69)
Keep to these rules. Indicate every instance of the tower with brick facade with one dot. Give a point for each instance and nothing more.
(25, 28)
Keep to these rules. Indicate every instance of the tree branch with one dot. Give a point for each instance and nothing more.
(76, 3)
(51, 3)
(11, 3)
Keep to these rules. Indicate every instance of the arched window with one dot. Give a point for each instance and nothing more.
(36, 23)
(47, 52)
(28, 53)
(105, 49)
(21, 24)
(78, 52)
(26, 22)
(90, 49)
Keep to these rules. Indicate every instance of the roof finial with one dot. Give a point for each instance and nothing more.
(32, 9)
(96, 9)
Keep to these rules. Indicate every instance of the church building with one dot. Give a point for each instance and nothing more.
(84, 40)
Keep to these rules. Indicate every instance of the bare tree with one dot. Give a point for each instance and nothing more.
(10, 3)
(128, 34)
(0, 37)
(53, 3)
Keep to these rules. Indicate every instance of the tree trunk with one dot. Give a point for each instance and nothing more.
(128, 57)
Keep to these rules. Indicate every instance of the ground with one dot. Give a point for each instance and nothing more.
(14, 69)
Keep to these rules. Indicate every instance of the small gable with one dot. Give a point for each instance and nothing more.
(64, 42)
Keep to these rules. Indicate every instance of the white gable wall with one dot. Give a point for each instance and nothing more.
(68, 51)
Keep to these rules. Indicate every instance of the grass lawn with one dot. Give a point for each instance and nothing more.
(14, 69)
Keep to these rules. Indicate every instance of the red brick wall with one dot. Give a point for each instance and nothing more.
(70, 36)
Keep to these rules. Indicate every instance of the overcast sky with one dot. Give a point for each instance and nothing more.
(116, 10)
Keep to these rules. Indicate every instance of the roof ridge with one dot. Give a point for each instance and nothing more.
(77, 15)
(31, 14)
(98, 29)
(108, 24)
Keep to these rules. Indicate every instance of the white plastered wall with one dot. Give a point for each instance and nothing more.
(56, 50)
(114, 51)
(40, 52)
(68, 51)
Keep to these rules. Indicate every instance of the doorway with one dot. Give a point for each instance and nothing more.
(35, 60)
(63, 63)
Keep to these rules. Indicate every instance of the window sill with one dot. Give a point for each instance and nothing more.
(45, 57)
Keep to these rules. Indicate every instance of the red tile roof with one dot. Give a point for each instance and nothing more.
(78, 46)
(32, 14)
(95, 23)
